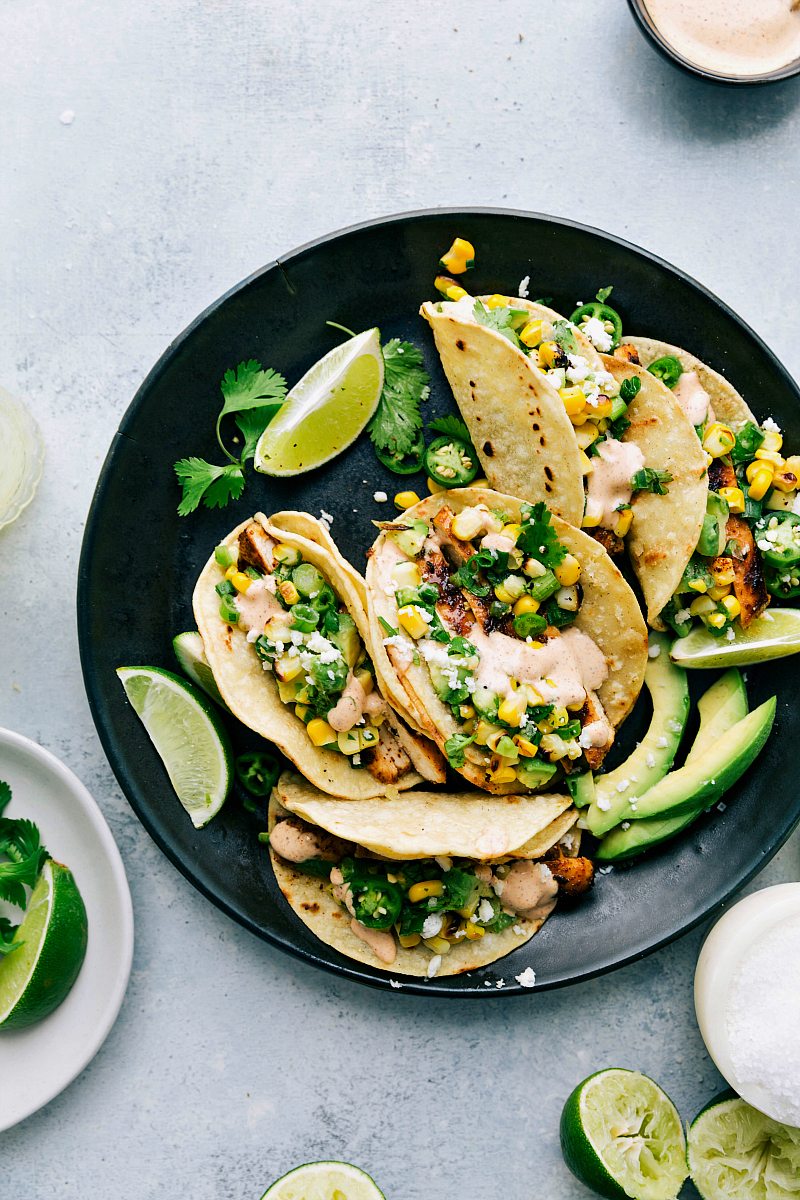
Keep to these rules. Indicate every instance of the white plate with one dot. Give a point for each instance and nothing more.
(38, 1063)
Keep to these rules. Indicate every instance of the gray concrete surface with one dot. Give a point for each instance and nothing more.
(153, 154)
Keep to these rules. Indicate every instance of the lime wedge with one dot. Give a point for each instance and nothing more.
(37, 977)
(191, 655)
(736, 1153)
(621, 1135)
(324, 1181)
(187, 733)
(325, 412)
(775, 634)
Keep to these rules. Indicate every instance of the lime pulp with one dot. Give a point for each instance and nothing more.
(737, 1153)
(324, 1181)
(621, 1135)
(325, 412)
(38, 976)
(775, 634)
(191, 656)
(188, 735)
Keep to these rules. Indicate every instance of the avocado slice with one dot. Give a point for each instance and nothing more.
(713, 534)
(411, 539)
(485, 702)
(705, 779)
(655, 754)
(581, 788)
(720, 708)
(533, 773)
(347, 639)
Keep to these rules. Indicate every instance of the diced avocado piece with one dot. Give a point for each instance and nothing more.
(347, 639)
(712, 536)
(441, 684)
(534, 773)
(486, 702)
(581, 788)
(291, 689)
(705, 779)
(655, 754)
(411, 539)
(720, 708)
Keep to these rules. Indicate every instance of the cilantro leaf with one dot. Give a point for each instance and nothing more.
(251, 425)
(455, 746)
(397, 420)
(538, 538)
(8, 942)
(250, 386)
(502, 320)
(565, 336)
(202, 480)
(650, 480)
(5, 796)
(20, 842)
(450, 426)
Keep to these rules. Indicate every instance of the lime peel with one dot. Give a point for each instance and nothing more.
(324, 1181)
(775, 634)
(737, 1153)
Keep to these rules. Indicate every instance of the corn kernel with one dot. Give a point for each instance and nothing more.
(320, 732)
(422, 891)
(468, 524)
(408, 940)
(231, 571)
(301, 711)
(734, 497)
(587, 434)
(466, 712)
(434, 487)
(414, 620)
(530, 691)
(623, 522)
(497, 301)
(770, 456)
(503, 775)
(439, 945)
(785, 480)
(549, 353)
(773, 440)
(719, 592)
(511, 531)
(474, 932)
(733, 606)
(574, 400)
(512, 709)
(759, 476)
(568, 570)
(580, 418)
(406, 575)
(717, 620)
(448, 288)
(722, 571)
(718, 439)
(526, 604)
(241, 581)
(288, 591)
(603, 408)
(287, 669)
(531, 334)
(702, 606)
(593, 514)
(526, 747)
(587, 466)
(533, 568)
(503, 595)
(484, 731)
(404, 500)
(459, 258)
(698, 585)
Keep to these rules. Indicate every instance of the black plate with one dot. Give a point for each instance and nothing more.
(140, 560)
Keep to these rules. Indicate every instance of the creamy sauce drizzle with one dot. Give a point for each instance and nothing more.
(613, 467)
(258, 604)
(692, 397)
(563, 670)
(530, 890)
(731, 37)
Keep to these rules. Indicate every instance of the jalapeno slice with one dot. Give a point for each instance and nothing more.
(777, 536)
(603, 312)
(403, 464)
(784, 585)
(667, 369)
(257, 772)
(451, 462)
(376, 901)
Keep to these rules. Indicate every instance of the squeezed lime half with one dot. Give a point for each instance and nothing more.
(621, 1135)
(38, 976)
(775, 634)
(324, 1181)
(325, 412)
(736, 1153)
(187, 733)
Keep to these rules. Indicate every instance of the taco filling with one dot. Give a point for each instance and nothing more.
(431, 905)
(488, 607)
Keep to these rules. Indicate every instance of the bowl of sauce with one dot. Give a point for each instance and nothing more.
(725, 41)
(745, 993)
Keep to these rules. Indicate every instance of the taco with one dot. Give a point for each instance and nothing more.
(517, 642)
(549, 416)
(287, 639)
(436, 897)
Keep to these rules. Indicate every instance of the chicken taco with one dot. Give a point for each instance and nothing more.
(516, 641)
(446, 885)
(287, 639)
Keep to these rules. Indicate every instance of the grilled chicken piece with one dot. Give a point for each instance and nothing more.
(721, 474)
(748, 571)
(455, 551)
(256, 547)
(574, 876)
(612, 544)
(627, 353)
(452, 604)
(387, 761)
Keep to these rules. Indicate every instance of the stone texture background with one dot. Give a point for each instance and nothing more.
(152, 155)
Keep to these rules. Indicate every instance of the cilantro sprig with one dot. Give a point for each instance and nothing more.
(504, 320)
(650, 480)
(251, 395)
(22, 857)
(397, 424)
(538, 538)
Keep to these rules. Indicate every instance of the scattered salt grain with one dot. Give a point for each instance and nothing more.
(67, 116)
(380, 497)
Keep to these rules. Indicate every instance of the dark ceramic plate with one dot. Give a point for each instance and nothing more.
(140, 560)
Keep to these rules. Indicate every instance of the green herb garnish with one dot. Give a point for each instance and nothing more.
(397, 423)
(650, 480)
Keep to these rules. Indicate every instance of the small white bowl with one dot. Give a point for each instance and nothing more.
(19, 433)
(723, 952)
